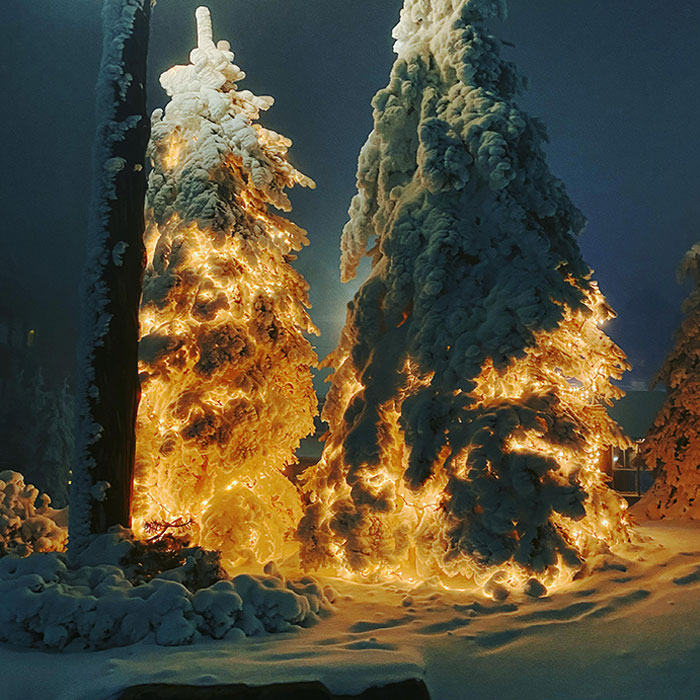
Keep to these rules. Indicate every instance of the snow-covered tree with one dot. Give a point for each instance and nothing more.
(466, 409)
(108, 386)
(672, 446)
(23, 404)
(37, 433)
(55, 446)
(227, 389)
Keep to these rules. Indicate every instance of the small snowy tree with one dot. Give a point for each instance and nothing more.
(466, 409)
(672, 446)
(108, 387)
(227, 389)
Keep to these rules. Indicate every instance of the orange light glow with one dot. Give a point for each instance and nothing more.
(412, 538)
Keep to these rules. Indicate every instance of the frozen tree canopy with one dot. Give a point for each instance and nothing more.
(227, 389)
(672, 447)
(466, 409)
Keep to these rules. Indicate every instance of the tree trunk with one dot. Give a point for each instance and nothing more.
(108, 394)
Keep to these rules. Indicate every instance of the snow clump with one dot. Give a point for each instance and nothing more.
(99, 605)
(24, 527)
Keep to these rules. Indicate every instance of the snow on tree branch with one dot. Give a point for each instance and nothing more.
(466, 409)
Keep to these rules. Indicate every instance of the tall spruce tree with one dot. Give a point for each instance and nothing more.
(672, 446)
(466, 409)
(227, 389)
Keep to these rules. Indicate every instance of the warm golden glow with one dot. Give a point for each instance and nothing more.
(227, 391)
(411, 539)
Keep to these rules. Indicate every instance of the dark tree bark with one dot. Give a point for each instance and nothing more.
(108, 394)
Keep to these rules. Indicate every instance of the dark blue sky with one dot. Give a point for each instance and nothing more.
(615, 82)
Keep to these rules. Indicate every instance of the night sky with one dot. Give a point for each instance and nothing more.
(615, 82)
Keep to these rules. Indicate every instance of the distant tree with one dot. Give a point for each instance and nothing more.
(466, 409)
(225, 365)
(23, 406)
(672, 446)
(55, 446)
(108, 386)
(37, 433)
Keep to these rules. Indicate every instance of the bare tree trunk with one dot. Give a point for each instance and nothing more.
(108, 393)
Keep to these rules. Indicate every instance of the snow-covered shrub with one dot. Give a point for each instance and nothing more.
(99, 603)
(193, 567)
(25, 525)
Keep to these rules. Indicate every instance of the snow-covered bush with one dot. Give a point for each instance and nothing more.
(467, 405)
(96, 604)
(25, 525)
(224, 361)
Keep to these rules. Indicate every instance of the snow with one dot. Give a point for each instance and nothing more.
(628, 629)
(103, 600)
(672, 446)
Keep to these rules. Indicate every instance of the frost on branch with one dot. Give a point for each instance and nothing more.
(467, 406)
(25, 525)
(227, 390)
(672, 447)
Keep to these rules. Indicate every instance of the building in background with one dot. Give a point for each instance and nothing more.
(635, 412)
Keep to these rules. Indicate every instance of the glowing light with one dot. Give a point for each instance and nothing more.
(410, 539)
(227, 391)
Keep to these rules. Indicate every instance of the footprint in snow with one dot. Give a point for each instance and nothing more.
(446, 626)
(366, 626)
(290, 656)
(371, 643)
(692, 577)
(476, 608)
(617, 603)
(496, 640)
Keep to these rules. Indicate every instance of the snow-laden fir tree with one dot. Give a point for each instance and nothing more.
(37, 433)
(227, 389)
(672, 446)
(466, 409)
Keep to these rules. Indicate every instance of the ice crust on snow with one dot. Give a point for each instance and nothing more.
(227, 390)
(96, 605)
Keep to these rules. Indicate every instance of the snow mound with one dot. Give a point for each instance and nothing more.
(24, 527)
(98, 604)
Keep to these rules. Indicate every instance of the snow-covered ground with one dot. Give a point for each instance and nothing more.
(630, 629)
